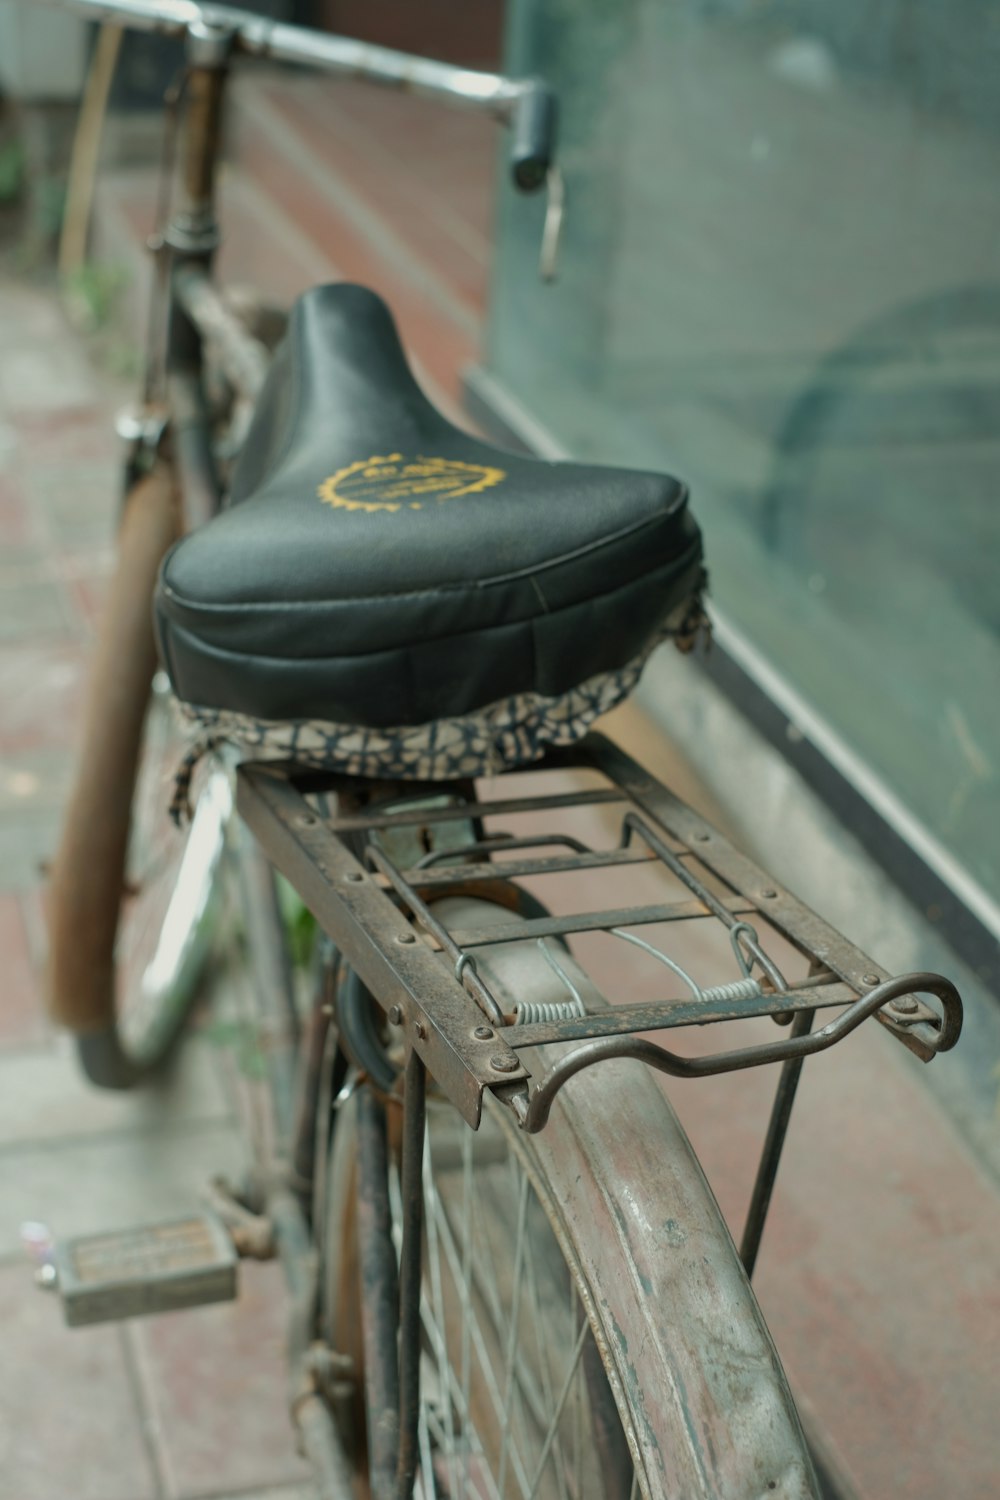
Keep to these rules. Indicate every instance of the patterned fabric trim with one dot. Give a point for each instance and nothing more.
(511, 732)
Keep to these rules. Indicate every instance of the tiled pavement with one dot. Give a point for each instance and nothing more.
(170, 1409)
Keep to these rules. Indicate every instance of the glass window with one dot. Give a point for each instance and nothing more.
(780, 279)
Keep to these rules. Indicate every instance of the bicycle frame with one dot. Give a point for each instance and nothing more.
(455, 1030)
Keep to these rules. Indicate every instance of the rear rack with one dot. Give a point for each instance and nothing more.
(427, 977)
(382, 919)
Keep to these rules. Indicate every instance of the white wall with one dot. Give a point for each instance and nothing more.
(42, 51)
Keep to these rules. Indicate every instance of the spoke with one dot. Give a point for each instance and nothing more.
(633, 1493)
(466, 1285)
(435, 1431)
(543, 1360)
(504, 1329)
(433, 1323)
(434, 1263)
(514, 1334)
(489, 1283)
(537, 1398)
(537, 1402)
(577, 1431)
(550, 1435)
(427, 1479)
(436, 1213)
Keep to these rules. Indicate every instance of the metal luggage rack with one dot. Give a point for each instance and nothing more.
(382, 919)
(380, 915)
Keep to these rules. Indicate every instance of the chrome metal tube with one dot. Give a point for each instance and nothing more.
(170, 16)
(261, 37)
(490, 92)
(410, 1264)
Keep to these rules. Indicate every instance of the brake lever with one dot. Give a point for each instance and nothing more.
(555, 209)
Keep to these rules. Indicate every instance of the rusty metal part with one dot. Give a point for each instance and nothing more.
(193, 133)
(186, 240)
(497, 843)
(243, 358)
(705, 1416)
(807, 931)
(88, 873)
(331, 1471)
(311, 1414)
(364, 822)
(425, 994)
(360, 1034)
(715, 905)
(301, 1269)
(356, 912)
(205, 90)
(330, 1368)
(364, 924)
(410, 1267)
(513, 869)
(503, 1064)
(770, 1156)
(321, 1440)
(464, 967)
(265, 319)
(542, 1096)
(311, 1072)
(252, 1234)
(379, 1293)
(597, 921)
(663, 1015)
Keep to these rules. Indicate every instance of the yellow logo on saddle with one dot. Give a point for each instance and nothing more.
(393, 482)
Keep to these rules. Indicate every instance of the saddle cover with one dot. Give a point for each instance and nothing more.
(386, 594)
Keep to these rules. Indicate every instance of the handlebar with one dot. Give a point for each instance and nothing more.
(533, 149)
(526, 104)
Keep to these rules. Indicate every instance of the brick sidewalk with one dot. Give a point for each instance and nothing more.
(162, 1409)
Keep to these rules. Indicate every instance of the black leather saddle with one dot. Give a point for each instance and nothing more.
(377, 566)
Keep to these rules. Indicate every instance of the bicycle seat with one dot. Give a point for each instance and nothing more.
(377, 569)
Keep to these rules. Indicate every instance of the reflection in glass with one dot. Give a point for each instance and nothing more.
(781, 279)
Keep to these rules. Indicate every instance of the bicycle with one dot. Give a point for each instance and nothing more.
(507, 1273)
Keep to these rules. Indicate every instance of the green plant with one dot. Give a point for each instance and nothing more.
(300, 924)
(12, 170)
(239, 1038)
(91, 293)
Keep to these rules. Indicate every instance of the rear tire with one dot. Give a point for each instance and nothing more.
(586, 1320)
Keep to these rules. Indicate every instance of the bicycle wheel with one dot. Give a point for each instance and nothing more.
(130, 900)
(588, 1330)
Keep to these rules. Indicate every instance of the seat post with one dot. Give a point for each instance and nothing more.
(192, 235)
